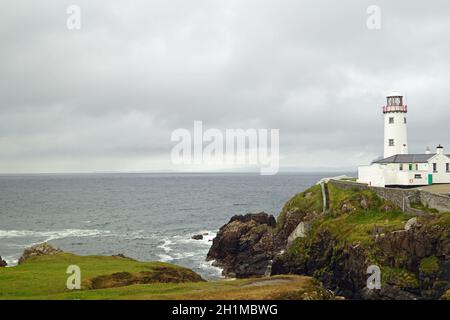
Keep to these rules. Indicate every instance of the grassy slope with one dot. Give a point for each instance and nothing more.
(356, 224)
(45, 278)
(304, 202)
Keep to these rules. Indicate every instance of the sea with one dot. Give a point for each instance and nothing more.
(145, 216)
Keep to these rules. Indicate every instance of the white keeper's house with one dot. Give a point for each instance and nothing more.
(398, 167)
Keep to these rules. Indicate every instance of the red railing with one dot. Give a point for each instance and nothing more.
(387, 109)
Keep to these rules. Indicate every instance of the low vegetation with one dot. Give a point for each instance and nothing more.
(307, 201)
(429, 265)
(103, 277)
(355, 216)
(361, 229)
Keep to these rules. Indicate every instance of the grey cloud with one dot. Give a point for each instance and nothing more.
(109, 95)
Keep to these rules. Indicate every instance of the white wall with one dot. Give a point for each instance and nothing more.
(372, 175)
(378, 175)
(441, 176)
(396, 131)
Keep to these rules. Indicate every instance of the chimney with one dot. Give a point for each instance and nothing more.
(428, 151)
(440, 149)
(404, 149)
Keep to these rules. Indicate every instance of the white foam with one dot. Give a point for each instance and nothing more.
(52, 235)
(11, 261)
(207, 239)
(164, 258)
(166, 245)
(182, 255)
(139, 235)
(208, 265)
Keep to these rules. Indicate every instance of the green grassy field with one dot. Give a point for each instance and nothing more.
(45, 278)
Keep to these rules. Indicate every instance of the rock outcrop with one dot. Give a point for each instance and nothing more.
(359, 230)
(244, 246)
(2, 263)
(163, 274)
(42, 249)
(414, 264)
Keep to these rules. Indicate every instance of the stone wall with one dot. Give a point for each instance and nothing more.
(437, 201)
(401, 196)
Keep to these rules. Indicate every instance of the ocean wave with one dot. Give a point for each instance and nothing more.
(208, 236)
(11, 260)
(138, 235)
(213, 270)
(166, 245)
(53, 235)
(165, 257)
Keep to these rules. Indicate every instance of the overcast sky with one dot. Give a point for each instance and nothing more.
(108, 96)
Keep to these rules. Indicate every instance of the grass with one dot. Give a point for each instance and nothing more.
(355, 217)
(446, 296)
(45, 278)
(307, 201)
(429, 265)
(360, 226)
(399, 277)
(421, 207)
(363, 214)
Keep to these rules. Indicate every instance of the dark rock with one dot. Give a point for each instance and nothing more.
(2, 263)
(156, 275)
(197, 237)
(414, 260)
(342, 268)
(42, 249)
(244, 246)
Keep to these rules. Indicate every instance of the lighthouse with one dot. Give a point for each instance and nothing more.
(395, 126)
(398, 168)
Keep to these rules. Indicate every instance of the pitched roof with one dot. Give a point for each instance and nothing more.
(407, 158)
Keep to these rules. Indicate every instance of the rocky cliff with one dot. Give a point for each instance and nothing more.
(244, 246)
(336, 247)
(41, 249)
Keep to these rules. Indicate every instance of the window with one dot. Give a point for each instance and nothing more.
(417, 167)
(410, 167)
(447, 166)
(404, 120)
(391, 143)
(418, 176)
(435, 167)
(401, 167)
(391, 120)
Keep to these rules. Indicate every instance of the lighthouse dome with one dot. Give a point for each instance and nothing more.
(394, 94)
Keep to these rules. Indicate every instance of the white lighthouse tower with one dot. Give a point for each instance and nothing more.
(395, 126)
